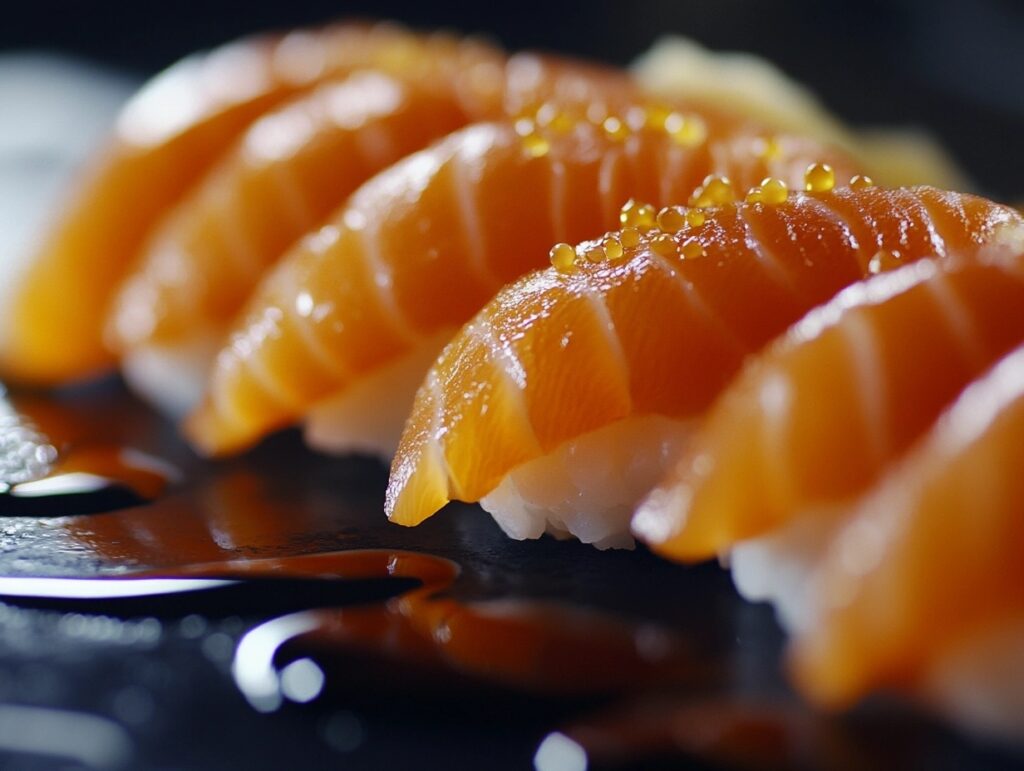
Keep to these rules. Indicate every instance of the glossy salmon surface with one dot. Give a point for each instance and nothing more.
(932, 560)
(817, 418)
(422, 246)
(292, 168)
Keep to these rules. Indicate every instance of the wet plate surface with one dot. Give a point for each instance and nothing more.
(263, 608)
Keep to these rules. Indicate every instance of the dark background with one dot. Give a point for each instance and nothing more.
(954, 67)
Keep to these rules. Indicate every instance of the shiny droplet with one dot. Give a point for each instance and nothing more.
(861, 182)
(594, 254)
(767, 148)
(656, 115)
(563, 257)
(525, 127)
(819, 178)
(615, 129)
(671, 219)
(686, 130)
(636, 214)
(694, 218)
(692, 249)
(715, 191)
(613, 248)
(630, 237)
(664, 245)
(536, 146)
(774, 190)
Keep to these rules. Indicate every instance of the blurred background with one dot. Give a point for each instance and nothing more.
(953, 66)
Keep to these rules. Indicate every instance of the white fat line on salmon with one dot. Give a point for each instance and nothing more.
(368, 237)
(469, 210)
(677, 166)
(224, 405)
(834, 215)
(775, 401)
(292, 197)
(556, 177)
(860, 338)
(377, 144)
(766, 258)
(691, 294)
(608, 185)
(942, 204)
(234, 234)
(509, 367)
(437, 431)
(925, 216)
(959, 320)
(256, 365)
(304, 320)
(599, 305)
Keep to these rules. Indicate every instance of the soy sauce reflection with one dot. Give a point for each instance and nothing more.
(56, 460)
(237, 512)
(88, 481)
(425, 639)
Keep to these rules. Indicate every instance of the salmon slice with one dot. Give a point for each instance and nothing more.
(921, 589)
(421, 247)
(815, 420)
(291, 169)
(166, 138)
(557, 358)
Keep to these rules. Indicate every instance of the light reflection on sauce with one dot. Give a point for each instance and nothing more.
(88, 480)
(235, 513)
(523, 645)
(85, 472)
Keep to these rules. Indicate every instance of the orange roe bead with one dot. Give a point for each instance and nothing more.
(563, 257)
(819, 178)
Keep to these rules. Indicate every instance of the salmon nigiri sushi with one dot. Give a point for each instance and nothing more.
(921, 590)
(166, 138)
(346, 326)
(564, 401)
(816, 419)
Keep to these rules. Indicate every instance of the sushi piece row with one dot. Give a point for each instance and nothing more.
(347, 228)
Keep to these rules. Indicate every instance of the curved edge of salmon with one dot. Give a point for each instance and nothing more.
(925, 576)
